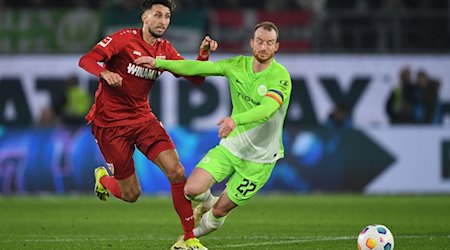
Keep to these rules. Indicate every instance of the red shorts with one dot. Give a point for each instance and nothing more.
(117, 144)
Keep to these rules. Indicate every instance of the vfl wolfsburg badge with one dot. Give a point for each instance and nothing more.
(206, 159)
(262, 90)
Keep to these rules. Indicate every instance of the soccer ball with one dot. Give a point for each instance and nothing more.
(375, 237)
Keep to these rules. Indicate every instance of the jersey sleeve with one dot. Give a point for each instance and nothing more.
(267, 107)
(173, 54)
(101, 52)
(111, 44)
(192, 68)
(89, 62)
(279, 88)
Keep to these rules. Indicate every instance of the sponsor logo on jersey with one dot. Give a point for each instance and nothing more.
(237, 80)
(247, 98)
(161, 57)
(142, 72)
(105, 41)
(189, 218)
(284, 84)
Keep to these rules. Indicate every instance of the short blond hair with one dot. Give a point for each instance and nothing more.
(267, 26)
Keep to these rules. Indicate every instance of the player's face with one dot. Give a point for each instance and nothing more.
(156, 20)
(264, 44)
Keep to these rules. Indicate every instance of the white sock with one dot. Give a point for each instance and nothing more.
(208, 224)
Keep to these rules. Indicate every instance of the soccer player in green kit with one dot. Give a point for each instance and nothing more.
(251, 138)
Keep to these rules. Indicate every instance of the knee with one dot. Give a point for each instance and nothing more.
(190, 190)
(176, 174)
(131, 195)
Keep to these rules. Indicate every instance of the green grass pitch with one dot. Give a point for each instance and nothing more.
(306, 221)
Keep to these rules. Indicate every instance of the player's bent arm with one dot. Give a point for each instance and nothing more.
(190, 67)
(265, 110)
(89, 62)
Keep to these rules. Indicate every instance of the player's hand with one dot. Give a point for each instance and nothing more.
(113, 79)
(208, 45)
(226, 125)
(146, 61)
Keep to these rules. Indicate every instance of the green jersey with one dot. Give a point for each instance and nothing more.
(253, 140)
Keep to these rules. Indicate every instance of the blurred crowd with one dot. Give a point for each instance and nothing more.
(316, 5)
(337, 25)
(382, 26)
(181, 4)
(415, 100)
(69, 108)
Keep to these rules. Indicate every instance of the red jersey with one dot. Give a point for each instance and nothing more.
(128, 104)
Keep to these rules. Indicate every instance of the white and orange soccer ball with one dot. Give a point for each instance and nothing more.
(375, 237)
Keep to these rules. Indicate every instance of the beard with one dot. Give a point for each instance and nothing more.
(154, 34)
(262, 59)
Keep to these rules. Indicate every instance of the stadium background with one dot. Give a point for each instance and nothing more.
(344, 56)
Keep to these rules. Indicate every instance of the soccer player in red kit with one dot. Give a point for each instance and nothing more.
(121, 116)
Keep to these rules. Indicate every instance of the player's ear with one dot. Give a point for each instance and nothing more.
(277, 46)
(251, 43)
(143, 16)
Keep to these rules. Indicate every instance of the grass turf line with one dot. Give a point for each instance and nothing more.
(267, 222)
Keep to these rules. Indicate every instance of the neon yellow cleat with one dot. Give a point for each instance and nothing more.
(101, 192)
(194, 244)
(190, 244)
(179, 245)
(199, 210)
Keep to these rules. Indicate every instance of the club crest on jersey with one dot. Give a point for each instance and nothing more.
(105, 41)
(142, 72)
(262, 90)
(206, 159)
(135, 52)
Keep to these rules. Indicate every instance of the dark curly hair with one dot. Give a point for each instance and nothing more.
(147, 4)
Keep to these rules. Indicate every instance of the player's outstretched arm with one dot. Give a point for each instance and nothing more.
(181, 67)
(190, 67)
(206, 47)
(146, 61)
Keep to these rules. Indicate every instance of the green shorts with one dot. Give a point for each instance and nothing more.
(246, 178)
